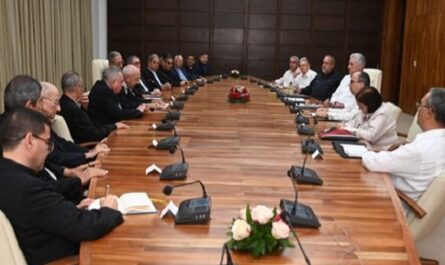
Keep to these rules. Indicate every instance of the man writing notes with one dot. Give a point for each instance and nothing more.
(47, 226)
(413, 166)
(324, 84)
(289, 79)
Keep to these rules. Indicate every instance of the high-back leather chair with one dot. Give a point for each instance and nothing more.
(376, 77)
(10, 251)
(97, 68)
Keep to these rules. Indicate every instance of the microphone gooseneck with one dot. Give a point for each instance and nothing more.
(286, 218)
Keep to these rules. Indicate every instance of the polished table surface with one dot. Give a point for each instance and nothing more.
(242, 153)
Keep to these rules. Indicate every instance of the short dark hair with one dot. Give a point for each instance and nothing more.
(371, 97)
(364, 78)
(436, 101)
(167, 56)
(130, 59)
(21, 89)
(17, 123)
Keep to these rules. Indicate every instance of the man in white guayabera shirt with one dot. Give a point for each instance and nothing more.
(413, 166)
(289, 79)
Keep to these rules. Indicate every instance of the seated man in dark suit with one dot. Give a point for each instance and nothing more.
(166, 74)
(325, 83)
(150, 75)
(127, 97)
(47, 226)
(80, 125)
(115, 59)
(65, 153)
(178, 69)
(203, 68)
(190, 67)
(25, 91)
(104, 107)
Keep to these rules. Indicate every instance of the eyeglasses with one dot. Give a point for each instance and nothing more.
(48, 142)
(169, 62)
(54, 101)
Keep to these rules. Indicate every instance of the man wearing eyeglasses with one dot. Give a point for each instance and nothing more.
(413, 166)
(46, 225)
(65, 153)
(25, 91)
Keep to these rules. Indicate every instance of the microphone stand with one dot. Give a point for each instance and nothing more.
(285, 217)
(226, 251)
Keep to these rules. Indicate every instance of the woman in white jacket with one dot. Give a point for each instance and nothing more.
(375, 124)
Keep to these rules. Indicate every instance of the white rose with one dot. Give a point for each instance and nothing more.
(280, 230)
(242, 214)
(240, 230)
(262, 214)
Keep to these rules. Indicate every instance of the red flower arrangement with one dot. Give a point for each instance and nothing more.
(238, 94)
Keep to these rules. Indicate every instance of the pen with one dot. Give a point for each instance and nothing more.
(107, 190)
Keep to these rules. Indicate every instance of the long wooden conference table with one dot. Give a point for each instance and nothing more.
(242, 153)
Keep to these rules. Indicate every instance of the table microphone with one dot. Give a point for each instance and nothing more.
(168, 143)
(304, 175)
(176, 171)
(286, 218)
(226, 252)
(192, 211)
(170, 116)
(300, 215)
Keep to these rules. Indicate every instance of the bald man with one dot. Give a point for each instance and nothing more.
(129, 96)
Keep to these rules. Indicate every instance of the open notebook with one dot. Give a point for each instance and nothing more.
(131, 203)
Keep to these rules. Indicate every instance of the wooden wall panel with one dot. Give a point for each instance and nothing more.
(422, 64)
(255, 36)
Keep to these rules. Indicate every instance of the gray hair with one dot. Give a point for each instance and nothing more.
(360, 58)
(21, 89)
(304, 59)
(111, 72)
(113, 54)
(152, 57)
(436, 101)
(294, 57)
(364, 78)
(130, 70)
(69, 80)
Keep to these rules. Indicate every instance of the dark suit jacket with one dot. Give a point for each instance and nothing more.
(203, 69)
(128, 98)
(79, 123)
(323, 86)
(191, 71)
(47, 226)
(149, 79)
(104, 107)
(70, 188)
(176, 73)
(66, 153)
(168, 76)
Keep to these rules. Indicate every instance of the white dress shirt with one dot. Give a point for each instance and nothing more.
(289, 78)
(412, 166)
(303, 80)
(343, 93)
(378, 128)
